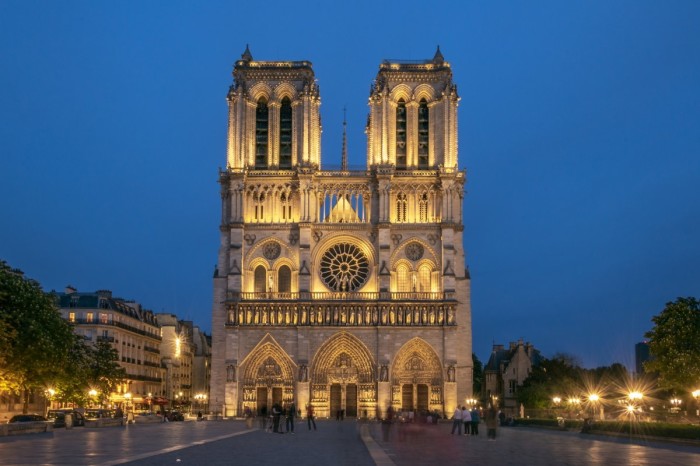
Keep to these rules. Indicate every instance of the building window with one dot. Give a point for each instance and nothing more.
(260, 274)
(401, 207)
(284, 279)
(71, 317)
(89, 317)
(423, 207)
(259, 200)
(402, 278)
(104, 318)
(286, 133)
(286, 206)
(261, 129)
(424, 273)
(423, 133)
(401, 134)
(512, 385)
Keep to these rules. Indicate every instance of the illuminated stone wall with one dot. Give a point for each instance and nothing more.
(343, 289)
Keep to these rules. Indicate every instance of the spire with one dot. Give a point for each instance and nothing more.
(344, 159)
(247, 56)
(438, 59)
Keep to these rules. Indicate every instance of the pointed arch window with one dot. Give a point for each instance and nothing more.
(259, 200)
(286, 205)
(261, 133)
(286, 133)
(403, 281)
(284, 279)
(424, 275)
(423, 207)
(423, 133)
(401, 207)
(259, 279)
(401, 134)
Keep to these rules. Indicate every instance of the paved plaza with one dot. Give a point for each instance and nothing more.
(343, 443)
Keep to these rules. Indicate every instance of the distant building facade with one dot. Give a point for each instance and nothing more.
(343, 289)
(177, 353)
(130, 329)
(641, 355)
(506, 370)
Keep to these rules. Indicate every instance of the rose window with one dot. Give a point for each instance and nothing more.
(344, 267)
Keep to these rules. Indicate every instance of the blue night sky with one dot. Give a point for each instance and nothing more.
(579, 129)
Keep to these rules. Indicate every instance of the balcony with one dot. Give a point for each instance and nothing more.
(105, 338)
(408, 313)
(120, 325)
(151, 349)
(342, 296)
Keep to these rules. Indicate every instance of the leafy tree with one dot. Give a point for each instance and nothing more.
(35, 340)
(105, 373)
(674, 343)
(558, 376)
(477, 375)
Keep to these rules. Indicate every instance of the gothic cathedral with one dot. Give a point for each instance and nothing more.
(343, 289)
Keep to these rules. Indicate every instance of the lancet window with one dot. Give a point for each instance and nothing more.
(259, 279)
(259, 201)
(423, 207)
(424, 275)
(286, 133)
(286, 207)
(423, 133)
(284, 279)
(261, 133)
(401, 135)
(401, 207)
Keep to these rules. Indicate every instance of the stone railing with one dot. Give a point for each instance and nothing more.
(21, 428)
(357, 313)
(341, 296)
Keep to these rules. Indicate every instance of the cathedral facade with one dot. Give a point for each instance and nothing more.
(342, 289)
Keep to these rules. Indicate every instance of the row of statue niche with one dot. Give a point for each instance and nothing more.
(343, 315)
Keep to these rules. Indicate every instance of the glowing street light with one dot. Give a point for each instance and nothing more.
(635, 396)
(696, 395)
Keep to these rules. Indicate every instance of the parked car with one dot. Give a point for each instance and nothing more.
(175, 416)
(26, 418)
(58, 416)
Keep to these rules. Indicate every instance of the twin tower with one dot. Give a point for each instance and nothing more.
(343, 289)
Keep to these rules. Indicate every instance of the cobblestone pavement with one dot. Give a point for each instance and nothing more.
(342, 443)
(433, 444)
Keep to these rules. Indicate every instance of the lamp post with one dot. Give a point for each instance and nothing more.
(92, 394)
(696, 396)
(675, 404)
(50, 392)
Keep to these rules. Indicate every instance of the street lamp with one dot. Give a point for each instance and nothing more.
(675, 404)
(50, 392)
(696, 395)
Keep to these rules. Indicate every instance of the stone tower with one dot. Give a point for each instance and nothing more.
(343, 289)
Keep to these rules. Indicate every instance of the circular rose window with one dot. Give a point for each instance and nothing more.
(344, 267)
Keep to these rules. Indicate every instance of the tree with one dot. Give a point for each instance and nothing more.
(34, 339)
(674, 344)
(558, 376)
(105, 373)
(477, 376)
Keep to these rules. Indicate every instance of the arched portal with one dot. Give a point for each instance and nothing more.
(342, 377)
(416, 376)
(267, 376)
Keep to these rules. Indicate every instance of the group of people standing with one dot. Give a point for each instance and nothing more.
(469, 419)
(288, 413)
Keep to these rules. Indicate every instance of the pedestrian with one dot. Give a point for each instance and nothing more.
(466, 420)
(457, 421)
(387, 422)
(310, 416)
(276, 413)
(263, 417)
(199, 415)
(248, 414)
(291, 412)
(491, 423)
(475, 421)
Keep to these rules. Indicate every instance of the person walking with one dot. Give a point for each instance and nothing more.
(475, 421)
(457, 421)
(263, 417)
(466, 420)
(248, 414)
(310, 418)
(276, 413)
(291, 412)
(491, 419)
